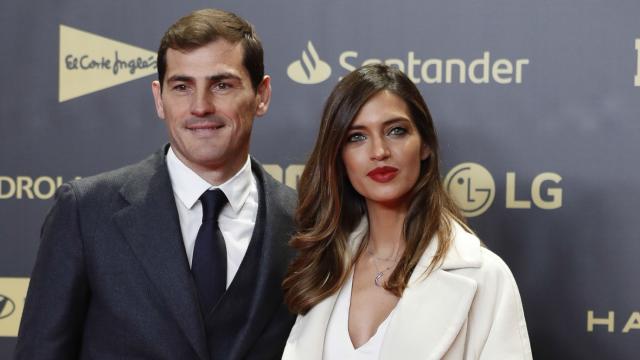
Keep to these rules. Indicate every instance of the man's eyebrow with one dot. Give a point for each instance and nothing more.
(213, 78)
(224, 76)
(183, 78)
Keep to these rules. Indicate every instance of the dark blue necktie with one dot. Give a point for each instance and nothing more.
(209, 264)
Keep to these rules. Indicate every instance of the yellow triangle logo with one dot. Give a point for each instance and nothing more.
(12, 294)
(89, 63)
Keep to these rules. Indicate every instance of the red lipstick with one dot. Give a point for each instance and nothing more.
(383, 174)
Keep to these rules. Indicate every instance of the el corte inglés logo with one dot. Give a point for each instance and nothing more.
(310, 69)
(472, 188)
(89, 63)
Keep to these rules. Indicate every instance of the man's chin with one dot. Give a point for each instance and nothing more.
(216, 161)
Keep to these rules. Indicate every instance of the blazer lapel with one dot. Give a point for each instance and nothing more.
(434, 308)
(276, 230)
(306, 340)
(151, 226)
(428, 317)
(255, 292)
(423, 325)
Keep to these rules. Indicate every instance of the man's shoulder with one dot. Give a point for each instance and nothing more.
(275, 191)
(113, 180)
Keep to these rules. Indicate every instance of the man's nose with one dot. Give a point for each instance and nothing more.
(202, 104)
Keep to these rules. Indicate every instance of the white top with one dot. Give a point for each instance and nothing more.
(236, 220)
(337, 343)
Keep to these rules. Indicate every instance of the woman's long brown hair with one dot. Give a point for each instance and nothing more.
(329, 208)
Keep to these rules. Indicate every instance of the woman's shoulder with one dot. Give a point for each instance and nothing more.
(497, 308)
(469, 257)
(474, 260)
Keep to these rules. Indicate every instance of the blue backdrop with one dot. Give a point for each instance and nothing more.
(536, 104)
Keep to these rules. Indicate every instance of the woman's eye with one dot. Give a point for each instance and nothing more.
(397, 131)
(355, 137)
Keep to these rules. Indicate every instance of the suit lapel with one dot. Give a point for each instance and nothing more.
(255, 292)
(150, 224)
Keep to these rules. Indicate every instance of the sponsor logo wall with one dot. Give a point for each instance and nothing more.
(536, 105)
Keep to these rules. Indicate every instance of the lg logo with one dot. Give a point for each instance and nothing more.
(473, 189)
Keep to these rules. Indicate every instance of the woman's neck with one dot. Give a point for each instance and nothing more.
(386, 236)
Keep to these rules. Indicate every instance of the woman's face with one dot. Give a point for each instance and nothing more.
(383, 151)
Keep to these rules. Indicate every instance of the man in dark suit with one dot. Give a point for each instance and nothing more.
(137, 263)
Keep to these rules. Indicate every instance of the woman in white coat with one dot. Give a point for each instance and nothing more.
(387, 268)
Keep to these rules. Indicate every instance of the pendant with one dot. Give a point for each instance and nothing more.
(379, 276)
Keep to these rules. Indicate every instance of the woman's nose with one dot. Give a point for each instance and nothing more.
(379, 150)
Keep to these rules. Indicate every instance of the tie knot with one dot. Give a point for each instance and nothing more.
(212, 203)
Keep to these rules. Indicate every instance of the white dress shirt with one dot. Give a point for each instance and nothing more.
(337, 342)
(236, 220)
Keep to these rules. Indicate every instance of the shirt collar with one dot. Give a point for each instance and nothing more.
(189, 186)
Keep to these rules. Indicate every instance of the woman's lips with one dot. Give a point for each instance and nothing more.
(383, 174)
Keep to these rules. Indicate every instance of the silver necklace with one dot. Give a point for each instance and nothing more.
(380, 273)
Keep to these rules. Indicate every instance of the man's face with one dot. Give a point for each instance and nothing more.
(208, 103)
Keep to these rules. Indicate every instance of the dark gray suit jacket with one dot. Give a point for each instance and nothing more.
(112, 279)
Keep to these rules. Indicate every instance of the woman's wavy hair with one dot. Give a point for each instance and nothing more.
(329, 208)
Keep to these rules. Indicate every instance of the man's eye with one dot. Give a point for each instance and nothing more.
(180, 87)
(398, 131)
(222, 86)
(356, 138)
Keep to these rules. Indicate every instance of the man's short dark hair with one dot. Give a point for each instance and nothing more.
(204, 26)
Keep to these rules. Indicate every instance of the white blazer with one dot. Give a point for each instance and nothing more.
(467, 308)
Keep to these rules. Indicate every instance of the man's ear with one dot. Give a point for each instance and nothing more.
(263, 95)
(157, 98)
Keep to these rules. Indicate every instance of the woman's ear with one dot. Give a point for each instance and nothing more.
(425, 152)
